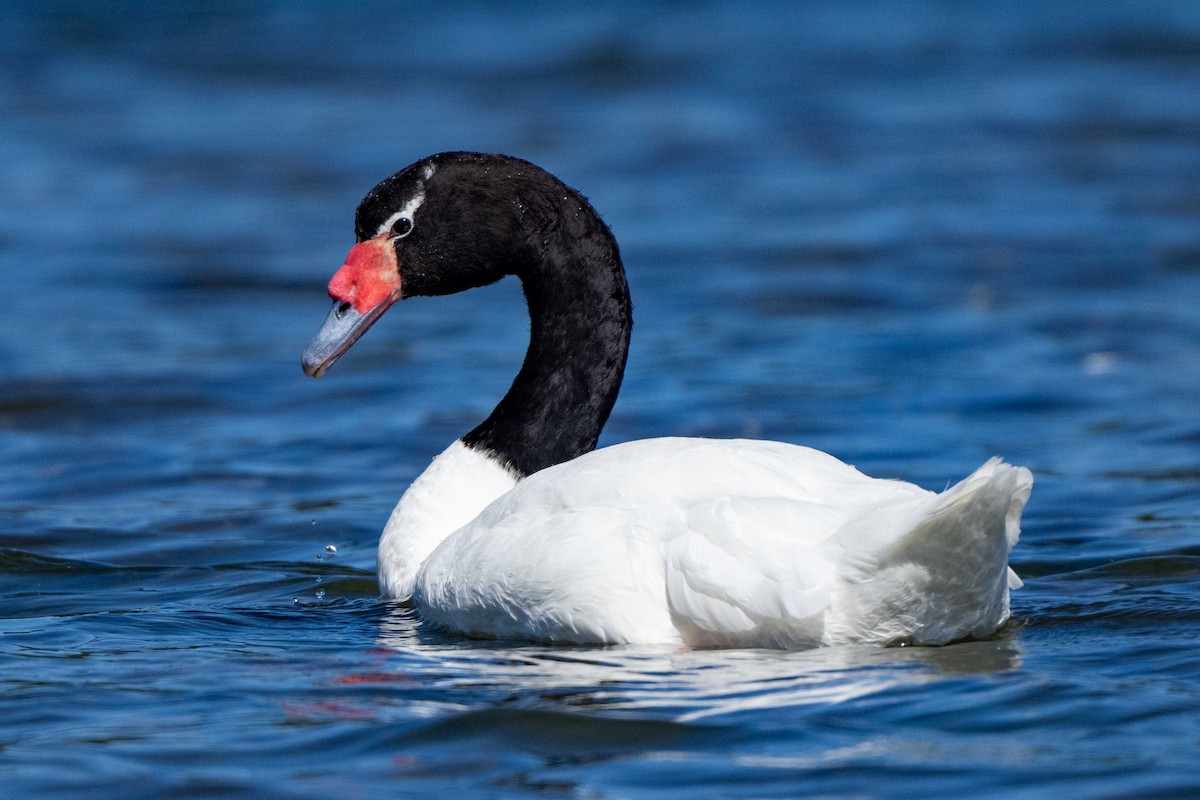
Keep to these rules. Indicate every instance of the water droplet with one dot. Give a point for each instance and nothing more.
(314, 522)
(295, 601)
(320, 593)
(330, 549)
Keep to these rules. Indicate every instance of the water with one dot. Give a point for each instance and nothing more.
(913, 236)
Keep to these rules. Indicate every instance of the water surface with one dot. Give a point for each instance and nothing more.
(914, 237)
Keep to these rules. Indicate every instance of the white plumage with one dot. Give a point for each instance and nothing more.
(707, 543)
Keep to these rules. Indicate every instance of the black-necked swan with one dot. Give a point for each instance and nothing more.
(522, 529)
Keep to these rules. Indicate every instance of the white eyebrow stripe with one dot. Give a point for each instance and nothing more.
(409, 209)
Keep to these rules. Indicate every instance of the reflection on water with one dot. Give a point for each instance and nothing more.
(673, 683)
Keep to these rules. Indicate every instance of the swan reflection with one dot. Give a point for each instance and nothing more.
(662, 682)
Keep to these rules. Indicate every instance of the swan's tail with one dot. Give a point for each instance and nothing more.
(947, 577)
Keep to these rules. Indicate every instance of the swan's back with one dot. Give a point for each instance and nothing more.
(728, 543)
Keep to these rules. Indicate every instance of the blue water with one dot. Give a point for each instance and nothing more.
(912, 235)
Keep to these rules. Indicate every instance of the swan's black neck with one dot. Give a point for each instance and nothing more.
(471, 218)
(580, 323)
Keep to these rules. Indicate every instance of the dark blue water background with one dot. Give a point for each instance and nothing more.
(912, 235)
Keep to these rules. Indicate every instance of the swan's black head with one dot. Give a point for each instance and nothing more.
(449, 222)
(458, 220)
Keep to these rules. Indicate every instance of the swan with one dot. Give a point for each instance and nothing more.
(523, 530)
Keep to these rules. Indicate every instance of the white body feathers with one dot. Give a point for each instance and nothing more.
(706, 543)
(449, 494)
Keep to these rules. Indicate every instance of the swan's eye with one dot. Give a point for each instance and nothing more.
(402, 227)
(342, 309)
